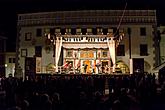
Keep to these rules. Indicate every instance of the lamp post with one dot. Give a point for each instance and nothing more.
(130, 57)
(129, 36)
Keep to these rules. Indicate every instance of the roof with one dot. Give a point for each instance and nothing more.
(88, 17)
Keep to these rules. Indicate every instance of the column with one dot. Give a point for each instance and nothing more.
(112, 49)
(58, 45)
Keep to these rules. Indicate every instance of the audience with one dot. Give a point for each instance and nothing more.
(80, 92)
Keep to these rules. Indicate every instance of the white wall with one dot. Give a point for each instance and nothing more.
(136, 40)
(10, 67)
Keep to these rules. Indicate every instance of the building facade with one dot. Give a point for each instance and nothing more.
(162, 43)
(9, 63)
(87, 41)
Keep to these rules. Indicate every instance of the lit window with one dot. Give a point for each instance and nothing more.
(11, 60)
(28, 36)
(69, 53)
(104, 54)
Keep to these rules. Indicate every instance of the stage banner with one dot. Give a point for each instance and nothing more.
(38, 64)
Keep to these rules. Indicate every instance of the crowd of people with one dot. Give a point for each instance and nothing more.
(80, 92)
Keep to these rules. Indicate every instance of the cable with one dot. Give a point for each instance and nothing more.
(121, 19)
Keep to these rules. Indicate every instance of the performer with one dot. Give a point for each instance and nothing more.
(98, 67)
(93, 69)
(106, 69)
(85, 67)
(70, 66)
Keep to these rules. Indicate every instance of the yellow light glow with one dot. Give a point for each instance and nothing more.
(5, 65)
(48, 36)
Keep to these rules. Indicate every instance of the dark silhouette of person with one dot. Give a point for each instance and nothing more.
(85, 67)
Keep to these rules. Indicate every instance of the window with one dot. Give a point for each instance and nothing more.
(143, 31)
(69, 53)
(114, 30)
(121, 50)
(63, 31)
(104, 54)
(39, 33)
(105, 31)
(73, 31)
(11, 60)
(129, 31)
(52, 31)
(84, 31)
(94, 31)
(23, 52)
(143, 50)
(28, 36)
(38, 51)
(47, 30)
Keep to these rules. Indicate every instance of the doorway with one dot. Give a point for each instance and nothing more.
(30, 67)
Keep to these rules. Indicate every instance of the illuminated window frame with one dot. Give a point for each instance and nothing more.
(28, 36)
(104, 53)
(23, 52)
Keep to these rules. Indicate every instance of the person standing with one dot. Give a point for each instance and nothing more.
(85, 68)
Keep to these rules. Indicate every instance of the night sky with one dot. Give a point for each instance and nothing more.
(10, 8)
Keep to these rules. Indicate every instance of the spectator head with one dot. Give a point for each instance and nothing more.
(10, 75)
(25, 105)
(116, 105)
(56, 97)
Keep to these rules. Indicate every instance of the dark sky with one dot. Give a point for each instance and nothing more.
(10, 8)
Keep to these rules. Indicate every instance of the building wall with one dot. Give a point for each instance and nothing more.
(9, 63)
(162, 44)
(136, 40)
(134, 20)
